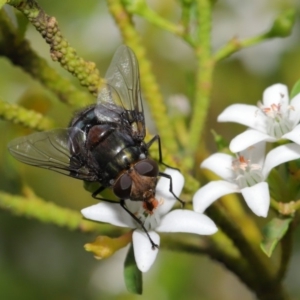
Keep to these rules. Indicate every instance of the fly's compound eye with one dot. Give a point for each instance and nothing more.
(122, 186)
(147, 167)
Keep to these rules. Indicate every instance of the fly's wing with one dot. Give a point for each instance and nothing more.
(59, 150)
(119, 101)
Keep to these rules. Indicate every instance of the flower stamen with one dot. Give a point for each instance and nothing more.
(278, 118)
(247, 174)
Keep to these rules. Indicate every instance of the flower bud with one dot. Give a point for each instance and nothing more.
(104, 246)
(283, 24)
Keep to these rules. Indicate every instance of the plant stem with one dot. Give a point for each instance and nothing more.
(235, 45)
(204, 72)
(34, 207)
(20, 53)
(60, 49)
(149, 84)
(25, 117)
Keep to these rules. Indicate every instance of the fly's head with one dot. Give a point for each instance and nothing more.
(139, 183)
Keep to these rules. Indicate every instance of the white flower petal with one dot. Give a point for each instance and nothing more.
(220, 164)
(276, 94)
(255, 153)
(108, 213)
(212, 191)
(241, 113)
(143, 253)
(257, 198)
(181, 220)
(295, 109)
(248, 138)
(162, 190)
(293, 135)
(280, 155)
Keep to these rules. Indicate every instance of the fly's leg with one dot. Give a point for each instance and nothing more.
(171, 187)
(99, 190)
(160, 160)
(122, 202)
(157, 138)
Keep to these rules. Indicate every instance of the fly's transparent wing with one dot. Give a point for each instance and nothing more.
(59, 150)
(119, 101)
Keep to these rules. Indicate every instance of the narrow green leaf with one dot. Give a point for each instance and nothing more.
(273, 232)
(132, 275)
(295, 89)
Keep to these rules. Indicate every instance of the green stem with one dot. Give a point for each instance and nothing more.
(235, 45)
(20, 53)
(140, 7)
(149, 84)
(60, 49)
(285, 208)
(219, 248)
(48, 212)
(25, 117)
(204, 72)
(268, 287)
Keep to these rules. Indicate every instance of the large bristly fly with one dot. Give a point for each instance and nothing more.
(105, 142)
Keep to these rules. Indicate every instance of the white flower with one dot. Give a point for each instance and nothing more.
(245, 174)
(161, 219)
(272, 120)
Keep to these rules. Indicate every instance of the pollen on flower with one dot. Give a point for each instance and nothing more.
(149, 206)
(273, 111)
(240, 163)
(246, 173)
(148, 213)
(277, 118)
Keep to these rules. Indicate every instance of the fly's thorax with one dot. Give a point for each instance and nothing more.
(123, 160)
(110, 150)
(84, 118)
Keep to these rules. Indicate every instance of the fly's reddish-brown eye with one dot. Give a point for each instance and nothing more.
(122, 186)
(147, 167)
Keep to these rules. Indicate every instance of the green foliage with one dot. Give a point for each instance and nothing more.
(295, 90)
(132, 275)
(182, 30)
(273, 232)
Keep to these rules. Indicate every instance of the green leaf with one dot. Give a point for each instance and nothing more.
(132, 275)
(221, 143)
(2, 2)
(273, 232)
(295, 89)
(283, 24)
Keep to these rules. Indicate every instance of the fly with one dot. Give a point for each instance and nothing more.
(104, 142)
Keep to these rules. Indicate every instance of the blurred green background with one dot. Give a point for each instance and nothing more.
(39, 261)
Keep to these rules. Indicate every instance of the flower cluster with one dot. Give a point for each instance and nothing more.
(161, 219)
(272, 120)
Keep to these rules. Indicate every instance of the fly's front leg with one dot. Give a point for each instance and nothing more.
(160, 159)
(99, 190)
(122, 202)
(171, 187)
